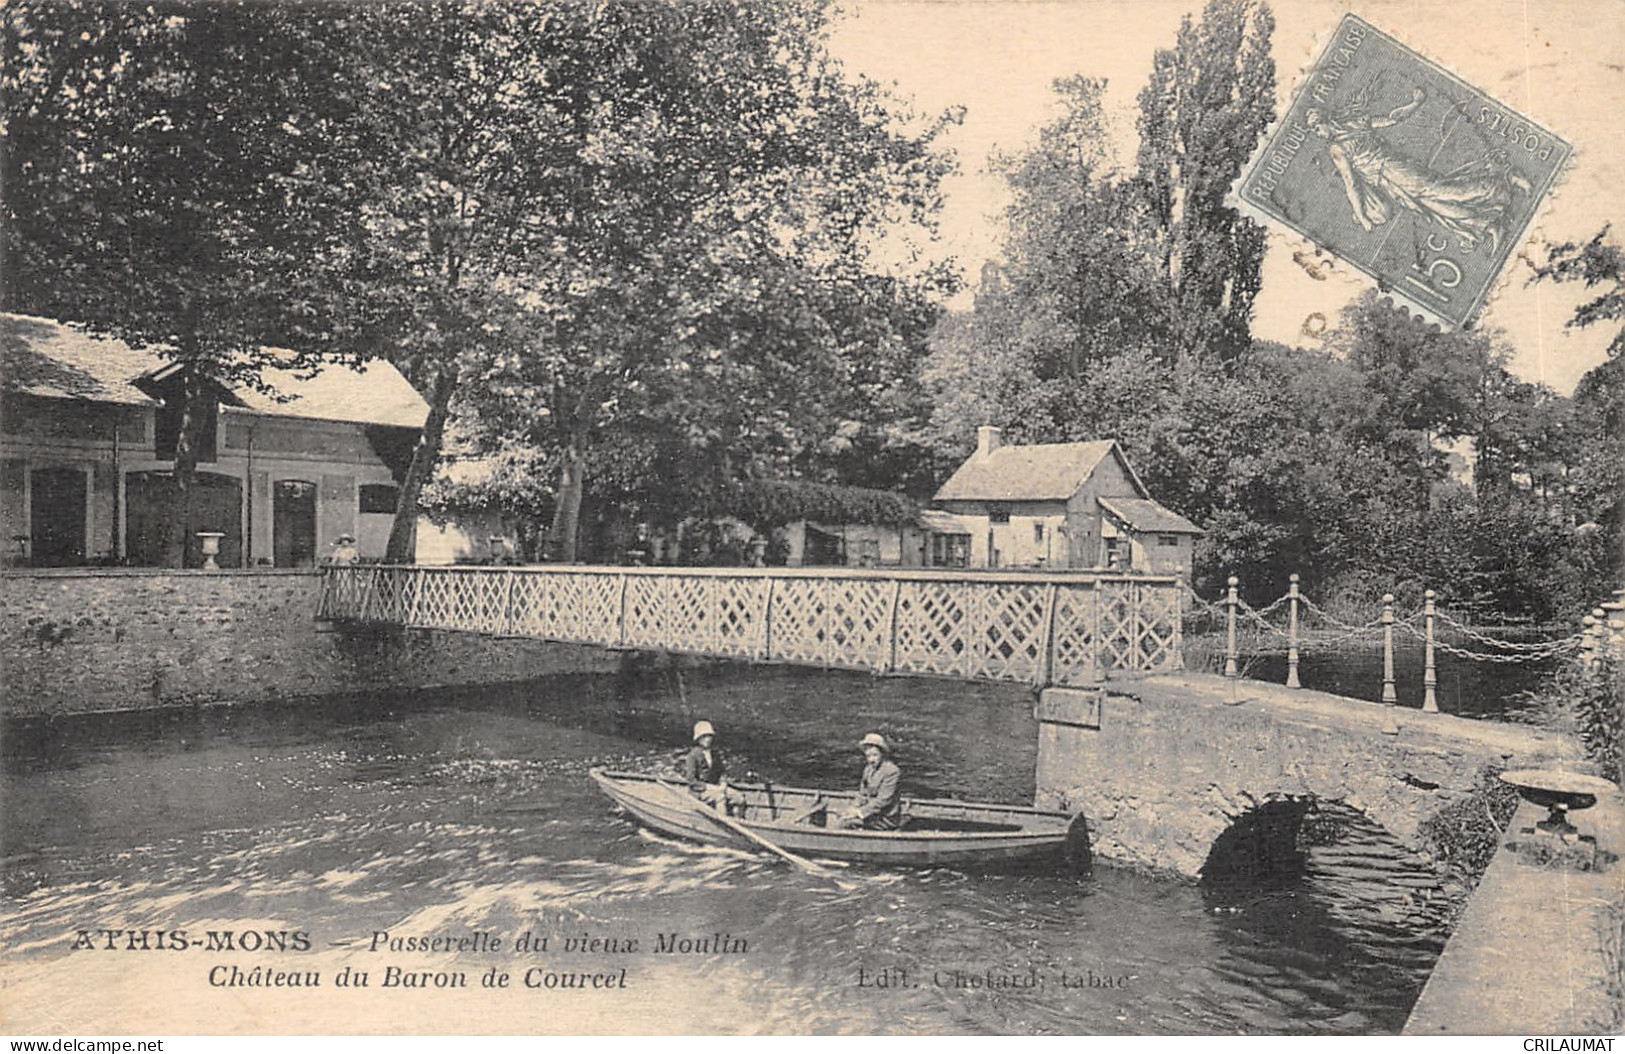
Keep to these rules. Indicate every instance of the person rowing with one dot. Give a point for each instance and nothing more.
(702, 768)
(879, 804)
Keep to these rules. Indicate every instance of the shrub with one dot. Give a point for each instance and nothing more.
(1588, 702)
(1599, 705)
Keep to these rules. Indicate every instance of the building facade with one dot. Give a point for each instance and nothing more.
(87, 446)
(1066, 506)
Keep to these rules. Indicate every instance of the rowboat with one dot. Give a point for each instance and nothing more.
(801, 820)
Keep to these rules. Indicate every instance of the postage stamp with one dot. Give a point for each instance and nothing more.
(1405, 171)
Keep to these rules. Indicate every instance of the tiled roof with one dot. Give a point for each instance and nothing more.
(1044, 472)
(1143, 514)
(374, 394)
(46, 358)
(41, 357)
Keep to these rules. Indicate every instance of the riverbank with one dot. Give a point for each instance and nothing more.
(1538, 951)
(94, 640)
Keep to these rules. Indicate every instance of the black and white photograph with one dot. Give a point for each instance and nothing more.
(714, 518)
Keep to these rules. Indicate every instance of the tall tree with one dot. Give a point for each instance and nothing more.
(465, 181)
(1599, 399)
(158, 169)
(1208, 101)
(713, 270)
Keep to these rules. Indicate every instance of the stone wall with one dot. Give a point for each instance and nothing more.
(86, 640)
(1160, 768)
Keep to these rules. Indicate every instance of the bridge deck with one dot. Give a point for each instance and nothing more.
(1031, 628)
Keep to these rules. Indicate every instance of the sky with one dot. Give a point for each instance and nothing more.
(1559, 62)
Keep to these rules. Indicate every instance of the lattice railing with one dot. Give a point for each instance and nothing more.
(1034, 629)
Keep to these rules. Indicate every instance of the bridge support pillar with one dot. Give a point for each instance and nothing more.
(1161, 767)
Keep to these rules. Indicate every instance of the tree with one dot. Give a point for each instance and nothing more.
(1208, 101)
(1598, 262)
(1078, 248)
(1599, 399)
(158, 165)
(463, 179)
(710, 291)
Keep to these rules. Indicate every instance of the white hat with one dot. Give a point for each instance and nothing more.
(703, 728)
(874, 739)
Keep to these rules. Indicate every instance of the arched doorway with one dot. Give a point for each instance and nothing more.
(151, 505)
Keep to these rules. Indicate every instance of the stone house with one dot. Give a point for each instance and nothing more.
(87, 446)
(1058, 505)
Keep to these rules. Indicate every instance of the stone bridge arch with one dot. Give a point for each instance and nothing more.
(1162, 767)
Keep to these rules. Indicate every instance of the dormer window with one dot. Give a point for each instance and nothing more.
(168, 427)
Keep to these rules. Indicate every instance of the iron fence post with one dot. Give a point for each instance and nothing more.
(1388, 694)
(1230, 667)
(1292, 634)
(1430, 675)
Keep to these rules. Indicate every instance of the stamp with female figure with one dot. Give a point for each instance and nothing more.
(1397, 166)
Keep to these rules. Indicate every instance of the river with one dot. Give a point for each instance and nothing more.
(470, 812)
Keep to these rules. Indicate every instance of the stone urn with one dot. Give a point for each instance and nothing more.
(211, 548)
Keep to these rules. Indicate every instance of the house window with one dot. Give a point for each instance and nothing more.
(1116, 553)
(950, 550)
(1168, 541)
(379, 498)
(1038, 533)
(998, 514)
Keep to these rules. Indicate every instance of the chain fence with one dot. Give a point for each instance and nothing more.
(1299, 624)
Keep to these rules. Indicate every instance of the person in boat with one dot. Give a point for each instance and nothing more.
(879, 804)
(703, 769)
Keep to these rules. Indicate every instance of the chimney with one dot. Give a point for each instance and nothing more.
(987, 440)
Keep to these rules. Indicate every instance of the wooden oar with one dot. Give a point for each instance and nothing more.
(740, 829)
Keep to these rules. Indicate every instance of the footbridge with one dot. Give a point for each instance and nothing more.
(1160, 761)
(1040, 630)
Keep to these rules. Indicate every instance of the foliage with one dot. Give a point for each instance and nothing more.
(1395, 459)
(512, 483)
(1596, 263)
(710, 306)
(1599, 702)
(1117, 289)
(766, 504)
(1598, 433)
(1208, 101)
(1596, 474)
(1587, 702)
(1464, 836)
(158, 170)
(636, 236)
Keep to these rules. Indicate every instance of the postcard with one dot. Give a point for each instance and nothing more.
(724, 518)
